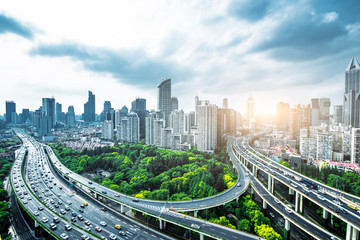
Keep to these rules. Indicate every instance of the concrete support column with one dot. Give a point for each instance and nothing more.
(195, 213)
(348, 232)
(264, 205)
(270, 179)
(325, 214)
(287, 229)
(201, 236)
(36, 224)
(121, 208)
(301, 205)
(164, 224)
(272, 185)
(160, 224)
(291, 191)
(297, 201)
(253, 169)
(355, 234)
(96, 196)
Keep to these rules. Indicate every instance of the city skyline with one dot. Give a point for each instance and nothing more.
(227, 51)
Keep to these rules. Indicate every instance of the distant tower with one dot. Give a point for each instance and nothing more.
(89, 108)
(351, 110)
(48, 109)
(206, 121)
(250, 112)
(164, 99)
(225, 103)
(174, 104)
(10, 108)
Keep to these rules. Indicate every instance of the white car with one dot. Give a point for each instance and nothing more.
(112, 237)
(102, 223)
(64, 236)
(288, 210)
(276, 200)
(44, 220)
(36, 213)
(195, 226)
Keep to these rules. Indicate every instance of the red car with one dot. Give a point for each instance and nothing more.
(103, 209)
(87, 222)
(98, 229)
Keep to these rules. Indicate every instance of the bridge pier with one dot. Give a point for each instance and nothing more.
(287, 229)
(160, 224)
(195, 213)
(270, 179)
(122, 208)
(297, 201)
(201, 236)
(351, 233)
(301, 203)
(264, 205)
(325, 216)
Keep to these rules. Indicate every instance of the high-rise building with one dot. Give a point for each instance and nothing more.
(25, 115)
(226, 124)
(10, 108)
(206, 123)
(89, 108)
(320, 111)
(282, 116)
(149, 128)
(250, 113)
(164, 99)
(355, 145)
(351, 110)
(45, 125)
(174, 103)
(138, 106)
(107, 130)
(300, 117)
(128, 130)
(105, 114)
(338, 114)
(60, 115)
(177, 122)
(70, 116)
(48, 109)
(225, 103)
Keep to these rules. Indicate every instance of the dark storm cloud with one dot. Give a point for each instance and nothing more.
(130, 67)
(11, 25)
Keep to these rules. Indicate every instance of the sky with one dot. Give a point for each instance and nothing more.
(289, 51)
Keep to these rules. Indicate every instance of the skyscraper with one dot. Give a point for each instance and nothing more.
(25, 115)
(105, 114)
(164, 99)
(250, 113)
(70, 116)
(225, 103)
(351, 110)
(320, 111)
(138, 106)
(300, 117)
(206, 123)
(48, 110)
(108, 130)
(89, 108)
(174, 103)
(283, 115)
(10, 108)
(337, 116)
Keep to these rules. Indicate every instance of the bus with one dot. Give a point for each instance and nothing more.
(309, 184)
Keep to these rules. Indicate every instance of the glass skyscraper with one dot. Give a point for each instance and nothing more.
(351, 109)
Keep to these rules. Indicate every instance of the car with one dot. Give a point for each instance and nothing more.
(62, 211)
(87, 228)
(352, 206)
(117, 195)
(69, 202)
(74, 214)
(102, 223)
(85, 237)
(64, 236)
(73, 219)
(68, 227)
(334, 238)
(36, 213)
(82, 206)
(104, 192)
(60, 202)
(103, 209)
(85, 204)
(44, 219)
(135, 200)
(67, 208)
(288, 210)
(56, 206)
(321, 197)
(56, 220)
(87, 223)
(80, 217)
(53, 226)
(25, 202)
(112, 237)
(81, 210)
(90, 182)
(239, 185)
(276, 200)
(98, 229)
(271, 215)
(118, 226)
(122, 233)
(195, 226)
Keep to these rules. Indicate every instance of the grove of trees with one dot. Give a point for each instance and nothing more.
(149, 172)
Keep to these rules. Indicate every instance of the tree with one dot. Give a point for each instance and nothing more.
(223, 221)
(244, 225)
(267, 232)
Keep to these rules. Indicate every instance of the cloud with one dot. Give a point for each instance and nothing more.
(248, 9)
(11, 25)
(130, 67)
(300, 35)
